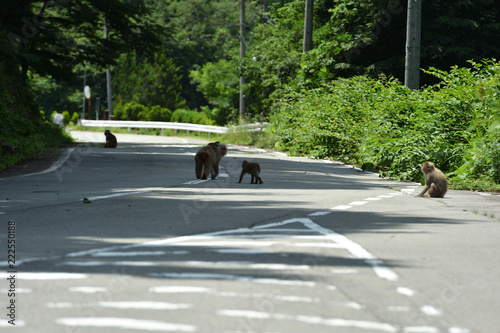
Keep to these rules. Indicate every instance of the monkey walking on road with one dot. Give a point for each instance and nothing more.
(253, 169)
(207, 160)
(435, 182)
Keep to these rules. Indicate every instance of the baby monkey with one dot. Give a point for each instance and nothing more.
(435, 182)
(253, 169)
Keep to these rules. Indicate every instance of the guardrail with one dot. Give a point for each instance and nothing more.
(167, 125)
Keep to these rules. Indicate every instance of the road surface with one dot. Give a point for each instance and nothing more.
(127, 240)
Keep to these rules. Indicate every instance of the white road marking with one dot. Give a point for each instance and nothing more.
(144, 305)
(420, 329)
(357, 203)
(405, 291)
(115, 195)
(430, 310)
(87, 290)
(126, 323)
(131, 254)
(45, 276)
(179, 289)
(57, 164)
(334, 322)
(341, 207)
(319, 213)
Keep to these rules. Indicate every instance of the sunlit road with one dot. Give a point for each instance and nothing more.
(319, 247)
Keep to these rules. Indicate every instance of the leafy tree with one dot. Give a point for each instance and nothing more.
(152, 81)
(219, 83)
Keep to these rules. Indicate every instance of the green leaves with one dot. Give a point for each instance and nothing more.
(380, 124)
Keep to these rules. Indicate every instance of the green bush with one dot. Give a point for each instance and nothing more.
(75, 117)
(156, 113)
(189, 116)
(455, 124)
(66, 118)
(129, 111)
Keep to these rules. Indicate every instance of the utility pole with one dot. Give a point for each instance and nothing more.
(242, 56)
(108, 78)
(413, 37)
(308, 26)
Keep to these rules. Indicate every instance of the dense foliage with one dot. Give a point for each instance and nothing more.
(378, 123)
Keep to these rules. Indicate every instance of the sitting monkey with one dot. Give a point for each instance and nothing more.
(436, 185)
(253, 169)
(111, 141)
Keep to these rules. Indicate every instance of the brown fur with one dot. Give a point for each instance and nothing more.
(435, 182)
(253, 169)
(207, 161)
(111, 141)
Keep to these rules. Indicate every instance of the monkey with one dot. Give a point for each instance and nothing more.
(435, 182)
(223, 148)
(207, 160)
(253, 169)
(111, 141)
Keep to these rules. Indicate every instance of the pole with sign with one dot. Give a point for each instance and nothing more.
(86, 92)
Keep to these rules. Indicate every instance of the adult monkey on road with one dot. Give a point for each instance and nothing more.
(207, 160)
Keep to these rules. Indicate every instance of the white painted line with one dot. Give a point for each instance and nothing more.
(241, 251)
(46, 276)
(179, 289)
(430, 310)
(357, 203)
(144, 305)
(57, 164)
(107, 263)
(335, 322)
(341, 207)
(87, 290)
(130, 254)
(420, 329)
(319, 213)
(126, 323)
(405, 291)
(369, 325)
(372, 199)
(115, 195)
(201, 276)
(244, 314)
(194, 182)
(355, 249)
(320, 245)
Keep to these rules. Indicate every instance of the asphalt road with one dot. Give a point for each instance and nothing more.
(126, 239)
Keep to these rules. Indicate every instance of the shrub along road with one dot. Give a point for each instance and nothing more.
(319, 246)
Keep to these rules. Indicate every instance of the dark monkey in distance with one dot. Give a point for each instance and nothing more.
(435, 182)
(110, 140)
(253, 169)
